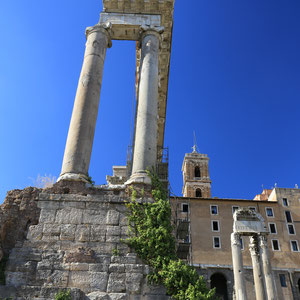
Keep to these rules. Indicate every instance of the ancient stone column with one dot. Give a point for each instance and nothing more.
(238, 271)
(267, 268)
(257, 269)
(145, 143)
(82, 127)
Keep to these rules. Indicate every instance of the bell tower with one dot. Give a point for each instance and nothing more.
(196, 181)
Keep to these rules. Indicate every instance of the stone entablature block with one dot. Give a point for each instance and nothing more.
(127, 26)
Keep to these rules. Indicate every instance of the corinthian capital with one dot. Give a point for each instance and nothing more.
(150, 30)
(105, 28)
(253, 245)
(263, 240)
(235, 239)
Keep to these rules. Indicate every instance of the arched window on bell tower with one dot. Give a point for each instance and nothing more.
(198, 193)
(197, 172)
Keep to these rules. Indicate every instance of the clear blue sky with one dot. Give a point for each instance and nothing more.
(234, 79)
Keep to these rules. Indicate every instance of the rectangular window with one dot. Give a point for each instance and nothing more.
(187, 239)
(294, 246)
(272, 228)
(252, 208)
(215, 225)
(234, 208)
(288, 216)
(269, 212)
(285, 202)
(242, 243)
(275, 245)
(291, 229)
(185, 207)
(214, 209)
(282, 280)
(217, 242)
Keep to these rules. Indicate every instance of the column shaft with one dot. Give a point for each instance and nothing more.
(267, 268)
(145, 144)
(257, 269)
(238, 271)
(82, 126)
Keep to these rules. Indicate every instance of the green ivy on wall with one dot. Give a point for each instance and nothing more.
(150, 234)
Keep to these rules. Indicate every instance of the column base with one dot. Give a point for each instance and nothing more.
(139, 178)
(73, 177)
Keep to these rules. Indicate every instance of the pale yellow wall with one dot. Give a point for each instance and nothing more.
(202, 234)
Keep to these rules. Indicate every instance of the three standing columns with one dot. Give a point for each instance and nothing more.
(262, 271)
(82, 127)
(145, 143)
(238, 270)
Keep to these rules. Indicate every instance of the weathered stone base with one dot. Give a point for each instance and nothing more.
(77, 244)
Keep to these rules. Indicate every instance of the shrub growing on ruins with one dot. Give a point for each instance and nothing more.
(63, 295)
(90, 180)
(150, 234)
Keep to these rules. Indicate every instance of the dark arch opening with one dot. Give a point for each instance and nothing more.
(299, 285)
(219, 282)
(197, 172)
(198, 193)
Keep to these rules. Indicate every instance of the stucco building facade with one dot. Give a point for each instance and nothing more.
(204, 225)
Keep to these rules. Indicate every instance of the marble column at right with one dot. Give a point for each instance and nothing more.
(267, 268)
(238, 271)
(82, 126)
(145, 143)
(257, 269)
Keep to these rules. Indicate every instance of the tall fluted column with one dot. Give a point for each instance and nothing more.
(238, 271)
(257, 270)
(145, 143)
(267, 268)
(82, 127)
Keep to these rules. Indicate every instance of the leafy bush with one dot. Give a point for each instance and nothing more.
(150, 234)
(63, 295)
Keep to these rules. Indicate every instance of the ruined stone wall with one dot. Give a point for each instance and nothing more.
(17, 213)
(77, 244)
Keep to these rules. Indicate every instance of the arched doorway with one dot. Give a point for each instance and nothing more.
(219, 282)
(299, 285)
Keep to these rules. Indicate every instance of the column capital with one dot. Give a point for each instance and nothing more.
(263, 240)
(235, 239)
(253, 245)
(150, 30)
(104, 28)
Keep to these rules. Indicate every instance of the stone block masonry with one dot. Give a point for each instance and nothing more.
(77, 244)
